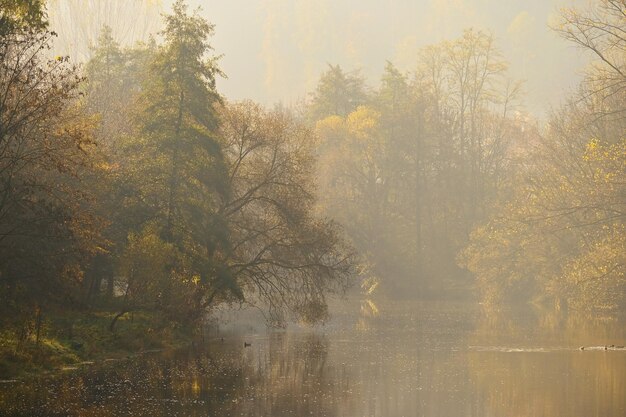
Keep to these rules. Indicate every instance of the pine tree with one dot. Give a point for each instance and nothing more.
(337, 93)
(177, 166)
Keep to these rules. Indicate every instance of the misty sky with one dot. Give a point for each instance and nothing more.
(274, 50)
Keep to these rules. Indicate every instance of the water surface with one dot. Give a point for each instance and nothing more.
(385, 359)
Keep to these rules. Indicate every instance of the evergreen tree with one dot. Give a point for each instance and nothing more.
(177, 167)
(337, 93)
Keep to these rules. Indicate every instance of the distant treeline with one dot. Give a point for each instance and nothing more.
(440, 172)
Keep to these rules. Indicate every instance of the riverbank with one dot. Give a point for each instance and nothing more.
(67, 340)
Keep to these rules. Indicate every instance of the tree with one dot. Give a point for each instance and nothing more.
(337, 93)
(473, 70)
(403, 124)
(599, 30)
(465, 139)
(17, 16)
(179, 111)
(149, 266)
(354, 181)
(110, 88)
(281, 253)
(208, 203)
(176, 165)
(560, 236)
(409, 174)
(113, 85)
(47, 230)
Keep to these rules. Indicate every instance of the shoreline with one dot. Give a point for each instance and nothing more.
(89, 342)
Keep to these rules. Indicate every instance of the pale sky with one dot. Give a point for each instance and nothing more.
(274, 50)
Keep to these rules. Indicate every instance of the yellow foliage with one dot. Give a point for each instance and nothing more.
(363, 122)
(331, 123)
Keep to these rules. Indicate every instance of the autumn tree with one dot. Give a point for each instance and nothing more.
(599, 30)
(410, 173)
(47, 230)
(352, 177)
(282, 254)
(560, 238)
(114, 78)
(206, 202)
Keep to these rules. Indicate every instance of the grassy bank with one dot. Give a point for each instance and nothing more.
(68, 339)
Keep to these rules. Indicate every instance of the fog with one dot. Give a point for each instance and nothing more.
(330, 208)
(274, 51)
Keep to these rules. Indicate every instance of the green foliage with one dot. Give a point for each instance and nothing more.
(175, 147)
(21, 15)
(337, 93)
(68, 339)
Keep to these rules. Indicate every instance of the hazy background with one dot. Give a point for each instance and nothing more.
(275, 50)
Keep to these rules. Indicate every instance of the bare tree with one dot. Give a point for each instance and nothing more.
(601, 30)
(280, 250)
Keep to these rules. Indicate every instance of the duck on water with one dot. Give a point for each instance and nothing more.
(606, 347)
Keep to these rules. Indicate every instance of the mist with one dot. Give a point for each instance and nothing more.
(332, 208)
(289, 43)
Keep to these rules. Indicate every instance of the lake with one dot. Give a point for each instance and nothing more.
(387, 359)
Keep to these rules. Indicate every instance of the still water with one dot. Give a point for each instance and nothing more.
(384, 359)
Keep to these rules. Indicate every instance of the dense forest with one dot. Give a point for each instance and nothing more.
(131, 188)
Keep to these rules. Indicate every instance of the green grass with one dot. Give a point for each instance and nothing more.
(68, 339)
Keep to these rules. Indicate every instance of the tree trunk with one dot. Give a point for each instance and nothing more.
(115, 319)
(37, 325)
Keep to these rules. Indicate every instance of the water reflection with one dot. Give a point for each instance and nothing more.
(530, 365)
(413, 359)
